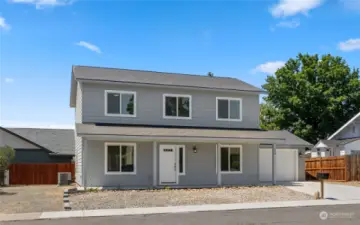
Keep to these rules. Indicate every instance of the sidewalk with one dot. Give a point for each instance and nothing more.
(170, 209)
(331, 191)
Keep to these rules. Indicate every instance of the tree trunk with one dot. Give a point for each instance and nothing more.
(2, 178)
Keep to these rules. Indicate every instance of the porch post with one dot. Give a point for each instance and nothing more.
(273, 164)
(218, 164)
(155, 163)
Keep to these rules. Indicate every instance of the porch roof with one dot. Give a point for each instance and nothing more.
(92, 131)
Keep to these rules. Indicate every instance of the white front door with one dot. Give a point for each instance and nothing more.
(168, 168)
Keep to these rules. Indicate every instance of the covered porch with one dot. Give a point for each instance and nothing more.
(136, 157)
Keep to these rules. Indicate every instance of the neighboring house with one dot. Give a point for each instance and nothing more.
(151, 129)
(38, 145)
(345, 141)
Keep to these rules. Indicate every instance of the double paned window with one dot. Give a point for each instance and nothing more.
(177, 106)
(231, 158)
(120, 158)
(228, 109)
(120, 103)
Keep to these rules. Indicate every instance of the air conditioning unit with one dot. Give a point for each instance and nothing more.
(64, 178)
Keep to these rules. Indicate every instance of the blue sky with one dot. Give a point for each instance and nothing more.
(41, 39)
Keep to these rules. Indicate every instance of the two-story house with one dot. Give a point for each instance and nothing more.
(151, 129)
(344, 141)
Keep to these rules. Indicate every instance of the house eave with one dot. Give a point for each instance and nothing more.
(93, 132)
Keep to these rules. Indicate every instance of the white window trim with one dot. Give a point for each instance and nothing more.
(120, 93)
(184, 159)
(106, 156)
(177, 102)
(228, 119)
(241, 159)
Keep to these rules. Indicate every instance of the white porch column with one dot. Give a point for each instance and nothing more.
(155, 163)
(218, 164)
(273, 164)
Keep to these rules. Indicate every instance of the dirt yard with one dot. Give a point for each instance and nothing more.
(153, 198)
(24, 199)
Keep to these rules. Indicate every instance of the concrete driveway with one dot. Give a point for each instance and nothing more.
(332, 191)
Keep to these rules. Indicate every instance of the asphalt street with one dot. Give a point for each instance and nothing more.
(341, 214)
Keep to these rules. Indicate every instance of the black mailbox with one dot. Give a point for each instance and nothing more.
(322, 176)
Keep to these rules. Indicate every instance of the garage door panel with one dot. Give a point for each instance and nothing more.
(285, 164)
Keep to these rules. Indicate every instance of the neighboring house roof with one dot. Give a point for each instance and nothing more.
(282, 137)
(156, 78)
(334, 143)
(344, 126)
(55, 141)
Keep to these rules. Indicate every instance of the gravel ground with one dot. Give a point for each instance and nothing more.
(151, 198)
(36, 198)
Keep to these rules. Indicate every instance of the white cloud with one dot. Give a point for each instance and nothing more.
(89, 46)
(11, 123)
(288, 24)
(292, 7)
(9, 80)
(41, 4)
(269, 67)
(350, 45)
(3, 24)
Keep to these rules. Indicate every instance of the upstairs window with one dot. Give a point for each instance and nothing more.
(177, 106)
(120, 103)
(228, 109)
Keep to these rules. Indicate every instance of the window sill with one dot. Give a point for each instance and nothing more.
(120, 173)
(119, 115)
(231, 172)
(177, 118)
(229, 120)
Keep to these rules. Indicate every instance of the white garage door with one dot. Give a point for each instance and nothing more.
(286, 164)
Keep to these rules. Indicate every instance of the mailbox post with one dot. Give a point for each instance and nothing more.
(322, 177)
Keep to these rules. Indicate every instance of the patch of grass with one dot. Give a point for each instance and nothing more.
(92, 190)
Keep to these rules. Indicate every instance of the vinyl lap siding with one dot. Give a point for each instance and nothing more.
(78, 109)
(150, 106)
(78, 159)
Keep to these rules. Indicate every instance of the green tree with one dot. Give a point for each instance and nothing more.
(7, 154)
(210, 74)
(311, 96)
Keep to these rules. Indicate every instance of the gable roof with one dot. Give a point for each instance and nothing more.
(88, 73)
(54, 141)
(344, 126)
(335, 143)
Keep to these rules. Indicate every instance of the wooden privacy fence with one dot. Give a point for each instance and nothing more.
(41, 173)
(340, 168)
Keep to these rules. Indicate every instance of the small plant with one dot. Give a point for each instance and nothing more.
(92, 190)
(167, 188)
(7, 154)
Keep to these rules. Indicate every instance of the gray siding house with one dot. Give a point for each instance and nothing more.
(38, 145)
(345, 141)
(138, 129)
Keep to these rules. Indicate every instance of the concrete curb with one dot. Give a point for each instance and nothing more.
(171, 209)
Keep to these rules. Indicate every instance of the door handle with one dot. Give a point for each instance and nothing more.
(175, 166)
